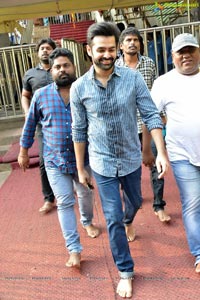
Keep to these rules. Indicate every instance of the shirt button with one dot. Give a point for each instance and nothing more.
(67, 149)
(66, 123)
(67, 137)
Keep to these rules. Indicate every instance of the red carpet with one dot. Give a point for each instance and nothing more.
(12, 154)
(33, 256)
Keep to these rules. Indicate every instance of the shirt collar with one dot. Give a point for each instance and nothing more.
(39, 66)
(91, 72)
(121, 60)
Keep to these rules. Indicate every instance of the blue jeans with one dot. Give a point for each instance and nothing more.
(188, 180)
(109, 190)
(46, 188)
(63, 188)
(85, 200)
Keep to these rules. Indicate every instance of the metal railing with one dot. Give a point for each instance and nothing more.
(161, 33)
(70, 18)
(15, 61)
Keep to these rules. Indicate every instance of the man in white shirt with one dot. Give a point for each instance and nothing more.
(177, 93)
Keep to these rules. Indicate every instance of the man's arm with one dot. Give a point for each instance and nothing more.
(83, 175)
(162, 162)
(147, 154)
(26, 100)
(28, 133)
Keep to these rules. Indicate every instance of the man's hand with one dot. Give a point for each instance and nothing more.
(23, 161)
(162, 164)
(84, 177)
(148, 158)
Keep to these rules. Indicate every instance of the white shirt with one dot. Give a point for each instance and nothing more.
(179, 96)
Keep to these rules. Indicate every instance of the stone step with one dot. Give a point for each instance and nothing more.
(11, 122)
(5, 167)
(4, 149)
(9, 136)
(3, 176)
(10, 132)
(5, 170)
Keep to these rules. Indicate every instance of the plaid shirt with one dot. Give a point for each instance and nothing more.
(48, 107)
(147, 68)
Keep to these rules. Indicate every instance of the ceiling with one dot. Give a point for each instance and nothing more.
(31, 9)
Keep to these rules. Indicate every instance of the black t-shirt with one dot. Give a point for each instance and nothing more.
(36, 78)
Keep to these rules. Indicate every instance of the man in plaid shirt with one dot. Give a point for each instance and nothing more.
(51, 106)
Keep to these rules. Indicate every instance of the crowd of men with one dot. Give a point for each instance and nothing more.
(103, 125)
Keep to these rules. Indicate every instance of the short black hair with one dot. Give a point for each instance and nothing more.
(103, 29)
(132, 31)
(128, 31)
(61, 52)
(121, 26)
(49, 41)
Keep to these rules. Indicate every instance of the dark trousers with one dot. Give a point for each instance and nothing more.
(157, 184)
(157, 188)
(46, 188)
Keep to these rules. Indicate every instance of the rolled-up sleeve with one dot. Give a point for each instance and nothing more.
(79, 116)
(28, 132)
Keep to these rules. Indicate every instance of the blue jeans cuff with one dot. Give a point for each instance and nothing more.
(197, 260)
(126, 275)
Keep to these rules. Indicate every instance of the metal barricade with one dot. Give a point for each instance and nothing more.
(161, 33)
(14, 62)
(78, 52)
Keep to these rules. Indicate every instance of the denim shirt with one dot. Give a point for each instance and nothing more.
(107, 118)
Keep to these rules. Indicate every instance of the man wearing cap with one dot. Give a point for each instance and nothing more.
(177, 92)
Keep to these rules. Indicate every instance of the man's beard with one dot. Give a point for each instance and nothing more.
(65, 81)
(45, 61)
(102, 66)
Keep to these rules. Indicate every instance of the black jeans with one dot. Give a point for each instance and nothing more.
(157, 184)
(46, 188)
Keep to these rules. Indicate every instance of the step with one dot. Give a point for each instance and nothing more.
(11, 122)
(5, 167)
(9, 136)
(5, 170)
(3, 176)
(4, 149)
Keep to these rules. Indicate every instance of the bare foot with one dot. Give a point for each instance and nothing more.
(74, 260)
(197, 270)
(130, 232)
(92, 231)
(162, 216)
(47, 207)
(124, 288)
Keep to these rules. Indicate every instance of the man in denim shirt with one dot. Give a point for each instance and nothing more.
(104, 108)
